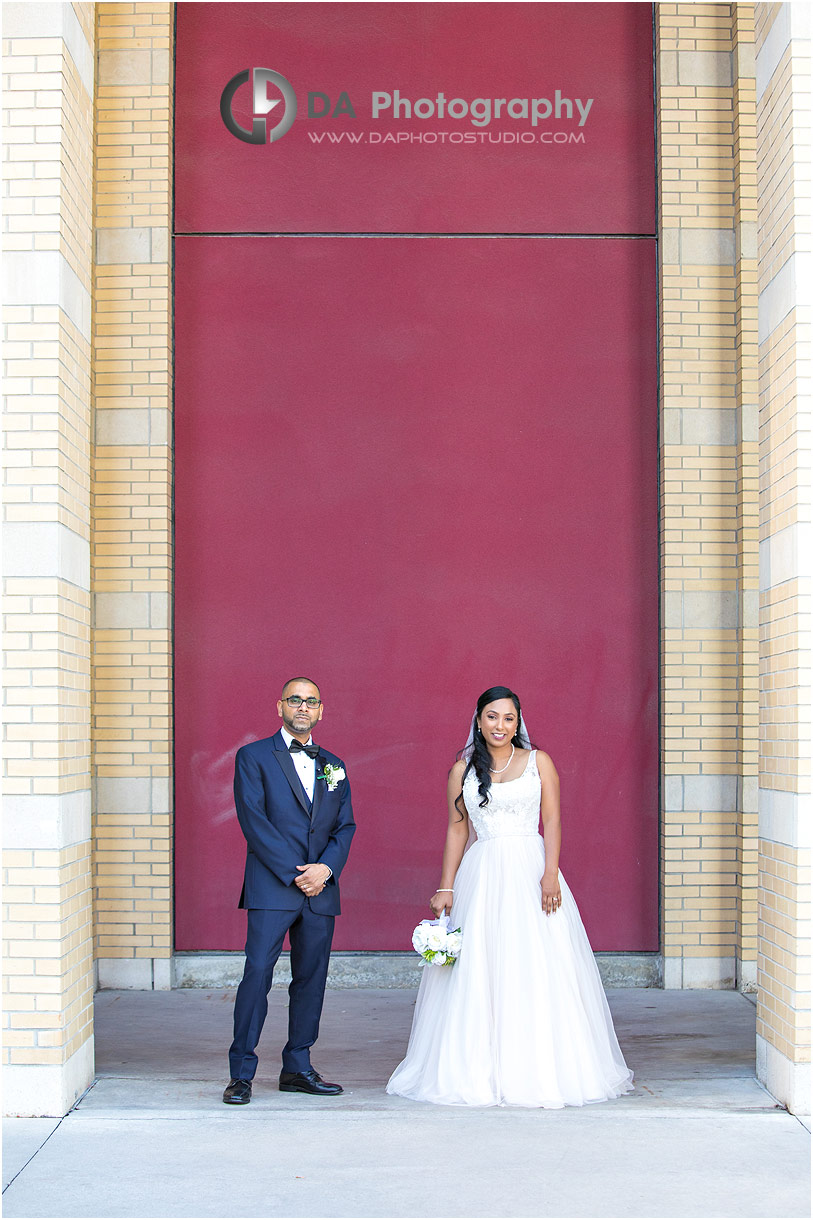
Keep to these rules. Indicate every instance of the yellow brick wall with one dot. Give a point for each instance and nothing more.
(48, 961)
(747, 529)
(707, 268)
(48, 966)
(786, 529)
(86, 16)
(132, 489)
(784, 959)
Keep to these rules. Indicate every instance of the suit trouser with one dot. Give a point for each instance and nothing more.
(311, 937)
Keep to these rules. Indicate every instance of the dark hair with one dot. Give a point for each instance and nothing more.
(480, 757)
(291, 681)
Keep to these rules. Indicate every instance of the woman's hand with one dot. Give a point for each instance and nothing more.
(440, 902)
(551, 893)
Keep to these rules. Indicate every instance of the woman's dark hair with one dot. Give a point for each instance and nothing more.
(480, 757)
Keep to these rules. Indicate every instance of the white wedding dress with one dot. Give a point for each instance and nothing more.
(521, 1018)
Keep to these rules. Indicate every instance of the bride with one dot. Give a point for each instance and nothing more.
(521, 1018)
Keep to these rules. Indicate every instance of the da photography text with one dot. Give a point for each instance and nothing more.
(273, 116)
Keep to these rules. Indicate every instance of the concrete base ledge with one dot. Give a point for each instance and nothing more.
(387, 970)
(134, 973)
(788, 1082)
(39, 1090)
(630, 969)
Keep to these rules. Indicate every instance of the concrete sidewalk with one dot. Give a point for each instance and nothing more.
(151, 1138)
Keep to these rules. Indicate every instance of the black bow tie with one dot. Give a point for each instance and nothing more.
(310, 750)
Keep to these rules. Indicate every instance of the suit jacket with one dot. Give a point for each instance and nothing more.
(282, 829)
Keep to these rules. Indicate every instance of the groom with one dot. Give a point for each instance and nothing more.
(293, 805)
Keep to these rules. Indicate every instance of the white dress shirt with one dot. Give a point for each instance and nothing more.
(306, 770)
(305, 766)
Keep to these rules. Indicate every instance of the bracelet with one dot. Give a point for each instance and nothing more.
(444, 891)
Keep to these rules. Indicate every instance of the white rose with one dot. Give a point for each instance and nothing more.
(453, 942)
(337, 773)
(420, 937)
(439, 959)
(436, 938)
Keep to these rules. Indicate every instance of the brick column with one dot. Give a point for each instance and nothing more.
(704, 80)
(48, 111)
(747, 460)
(786, 539)
(132, 483)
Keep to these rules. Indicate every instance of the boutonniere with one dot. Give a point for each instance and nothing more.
(332, 776)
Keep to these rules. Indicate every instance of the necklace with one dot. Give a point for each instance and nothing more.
(505, 768)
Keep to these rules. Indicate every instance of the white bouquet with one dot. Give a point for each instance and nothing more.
(436, 943)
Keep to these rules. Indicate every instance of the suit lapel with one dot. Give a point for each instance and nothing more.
(318, 785)
(287, 763)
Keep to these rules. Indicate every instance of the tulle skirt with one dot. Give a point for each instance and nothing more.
(521, 1019)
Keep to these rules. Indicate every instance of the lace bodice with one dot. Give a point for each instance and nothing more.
(513, 807)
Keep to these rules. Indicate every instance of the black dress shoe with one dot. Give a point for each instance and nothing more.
(237, 1093)
(307, 1082)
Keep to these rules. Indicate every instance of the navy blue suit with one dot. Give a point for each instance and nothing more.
(283, 829)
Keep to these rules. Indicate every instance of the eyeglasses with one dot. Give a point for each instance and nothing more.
(297, 701)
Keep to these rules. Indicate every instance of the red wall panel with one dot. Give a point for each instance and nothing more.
(604, 183)
(413, 469)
